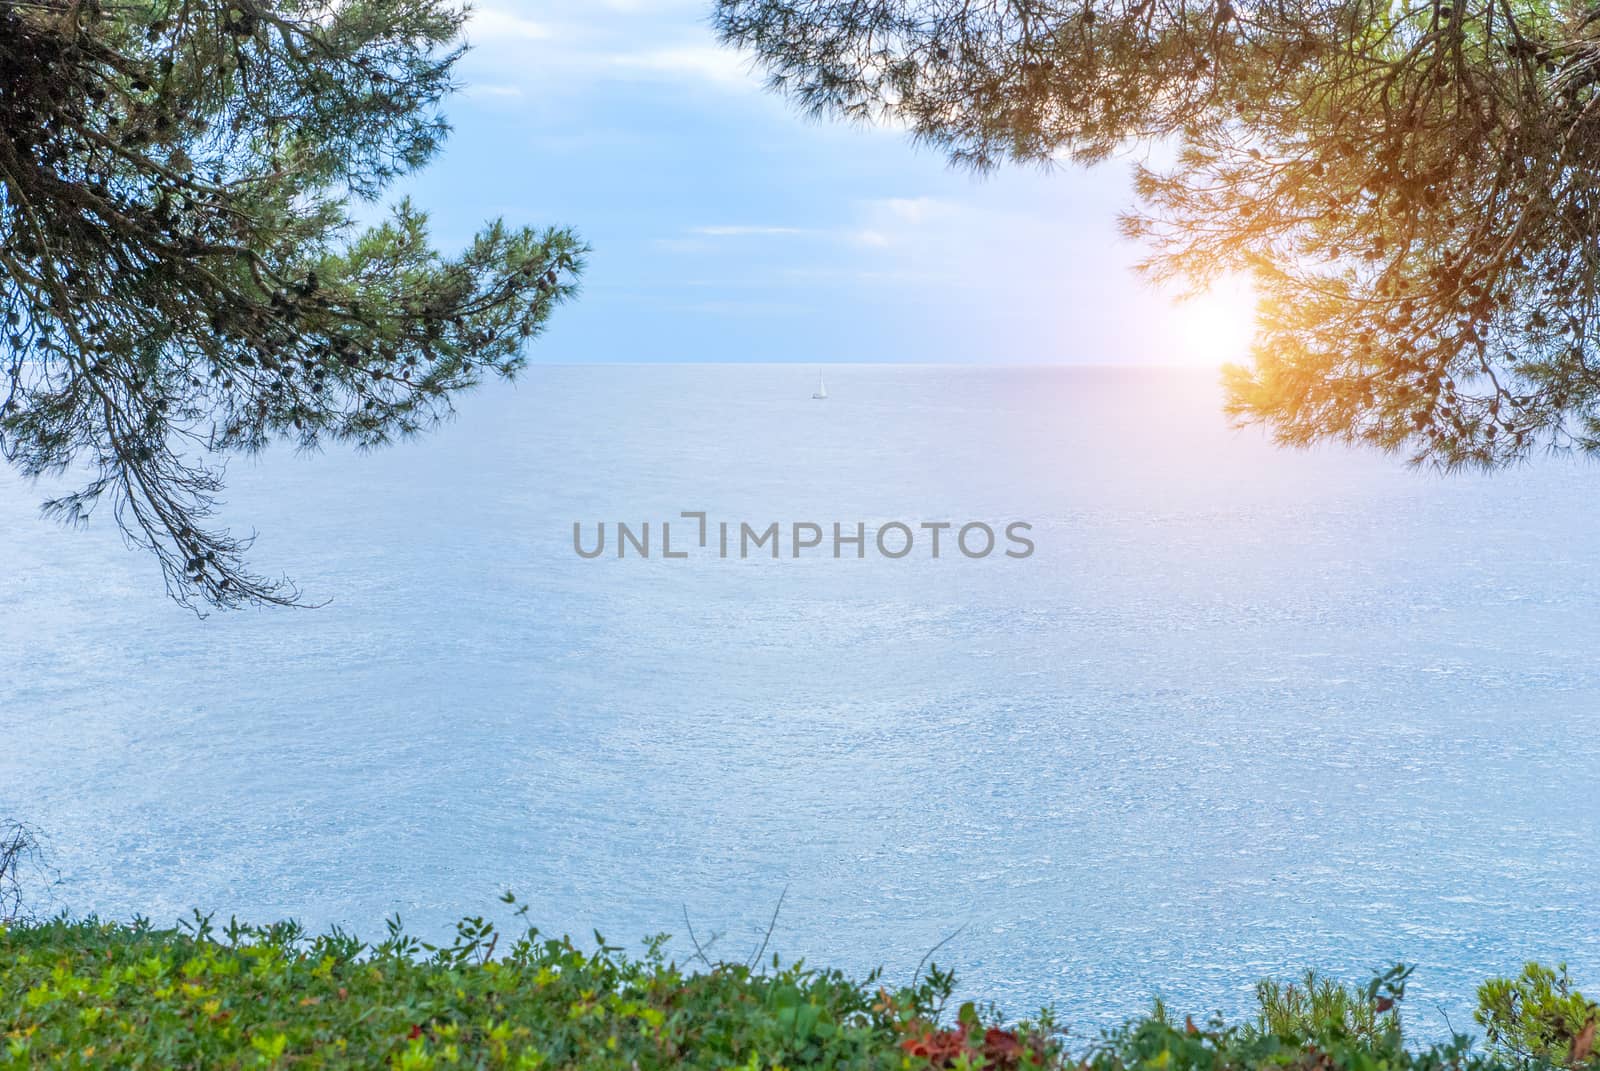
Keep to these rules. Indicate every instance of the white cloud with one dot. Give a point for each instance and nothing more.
(701, 237)
(539, 55)
(870, 237)
(889, 223)
(492, 24)
(898, 223)
(913, 210)
(709, 63)
(743, 231)
(651, 7)
(489, 90)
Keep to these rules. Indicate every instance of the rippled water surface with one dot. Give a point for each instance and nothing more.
(1245, 711)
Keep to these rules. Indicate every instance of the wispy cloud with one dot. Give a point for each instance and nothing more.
(911, 210)
(490, 90)
(708, 63)
(569, 46)
(867, 236)
(885, 222)
(493, 24)
(745, 231)
(604, 113)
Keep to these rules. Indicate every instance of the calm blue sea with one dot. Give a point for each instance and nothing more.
(1244, 711)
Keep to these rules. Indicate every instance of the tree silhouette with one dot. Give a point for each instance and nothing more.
(1414, 187)
(180, 276)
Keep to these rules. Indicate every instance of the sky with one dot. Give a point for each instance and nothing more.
(726, 226)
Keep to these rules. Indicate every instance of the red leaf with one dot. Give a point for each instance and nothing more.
(1001, 1048)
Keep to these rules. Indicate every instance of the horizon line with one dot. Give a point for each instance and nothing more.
(804, 363)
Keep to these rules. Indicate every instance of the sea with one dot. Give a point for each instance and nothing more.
(1234, 711)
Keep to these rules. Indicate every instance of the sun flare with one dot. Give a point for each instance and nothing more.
(1216, 327)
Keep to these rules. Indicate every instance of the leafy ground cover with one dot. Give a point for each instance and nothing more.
(90, 994)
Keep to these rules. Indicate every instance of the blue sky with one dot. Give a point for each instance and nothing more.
(727, 227)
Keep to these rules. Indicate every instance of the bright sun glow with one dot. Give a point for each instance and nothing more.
(1216, 327)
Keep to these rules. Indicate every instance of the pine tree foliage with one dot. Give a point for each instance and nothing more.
(181, 276)
(1414, 186)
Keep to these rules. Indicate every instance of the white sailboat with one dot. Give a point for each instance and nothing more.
(822, 387)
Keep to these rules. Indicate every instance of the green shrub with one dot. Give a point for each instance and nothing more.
(1317, 1025)
(1538, 1018)
(89, 994)
(1321, 1007)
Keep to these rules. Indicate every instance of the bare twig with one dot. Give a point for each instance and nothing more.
(929, 954)
(699, 952)
(754, 959)
(19, 850)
